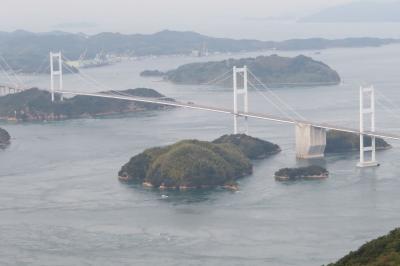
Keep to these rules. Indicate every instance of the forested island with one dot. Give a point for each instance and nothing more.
(271, 70)
(337, 142)
(4, 138)
(29, 52)
(194, 164)
(36, 105)
(382, 251)
(302, 173)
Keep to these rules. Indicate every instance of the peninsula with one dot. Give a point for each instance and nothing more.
(36, 105)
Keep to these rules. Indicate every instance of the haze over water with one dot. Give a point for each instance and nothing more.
(61, 202)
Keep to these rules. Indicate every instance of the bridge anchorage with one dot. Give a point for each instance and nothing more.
(310, 136)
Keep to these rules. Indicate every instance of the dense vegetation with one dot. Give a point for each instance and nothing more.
(337, 141)
(35, 104)
(4, 138)
(271, 70)
(187, 164)
(253, 148)
(293, 174)
(384, 251)
(28, 52)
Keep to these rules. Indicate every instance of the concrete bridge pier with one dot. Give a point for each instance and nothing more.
(310, 141)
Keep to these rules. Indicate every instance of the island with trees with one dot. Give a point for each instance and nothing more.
(4, 138)
(312, 172)
(36, 105)
(338, 142)
(194, 164)
(274, 70)
(383, 251)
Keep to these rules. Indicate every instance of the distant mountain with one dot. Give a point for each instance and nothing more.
(27, 51)
(365, 11)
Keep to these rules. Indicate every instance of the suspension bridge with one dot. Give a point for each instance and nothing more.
(310, 135)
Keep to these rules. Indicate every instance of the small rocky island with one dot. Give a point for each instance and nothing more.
(4, 138)
(193, 164)
(271, 70)
(302, 173)
(384, 250)
(337, 142)
(36, 105)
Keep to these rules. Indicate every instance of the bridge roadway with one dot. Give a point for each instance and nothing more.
(260, 116)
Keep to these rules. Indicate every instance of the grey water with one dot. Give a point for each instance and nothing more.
(61, 202)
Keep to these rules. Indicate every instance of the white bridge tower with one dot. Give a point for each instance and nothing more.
(237, 92)
(367, 94)
(56, 71)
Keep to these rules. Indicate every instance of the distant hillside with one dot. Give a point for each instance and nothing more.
(381, 251)
(271, 70)
(365, 11)
(28, 52)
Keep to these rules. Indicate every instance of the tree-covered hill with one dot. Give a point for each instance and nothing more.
(253, 148)
(383, 251)
(187, 164)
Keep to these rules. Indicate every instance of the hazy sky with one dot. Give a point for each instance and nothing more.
(147, 15)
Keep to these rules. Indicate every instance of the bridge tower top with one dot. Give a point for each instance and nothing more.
(237, 92)
(56, 70)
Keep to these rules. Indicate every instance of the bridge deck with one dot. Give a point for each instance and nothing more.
(267, 117)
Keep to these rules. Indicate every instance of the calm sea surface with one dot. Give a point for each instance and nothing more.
(61, 202)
